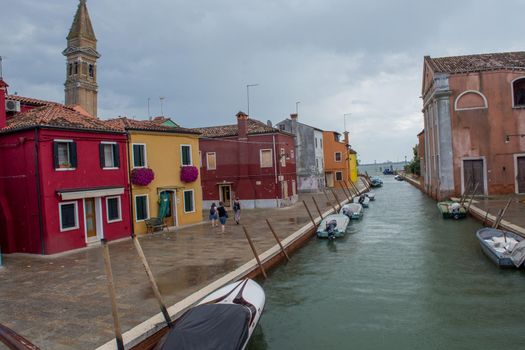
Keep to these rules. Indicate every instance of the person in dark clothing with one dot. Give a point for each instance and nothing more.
(223, 215)
(213, 215)
(237, 210)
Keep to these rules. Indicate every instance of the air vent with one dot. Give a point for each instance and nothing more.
(12, 106)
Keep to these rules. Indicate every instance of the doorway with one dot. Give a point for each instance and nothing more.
(473, 173)
(330, 179)
(520, 174)
(170, 215)
(90, 215)
(225, 194)
(284, 189)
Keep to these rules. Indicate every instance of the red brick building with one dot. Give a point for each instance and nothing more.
(249, 160)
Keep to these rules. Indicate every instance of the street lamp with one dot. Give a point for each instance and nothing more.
(248, 94)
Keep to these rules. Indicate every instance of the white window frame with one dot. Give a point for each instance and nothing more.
(60, 216)
(512, 92)
(147, 207)
(119, 209)
(282, 158)
(260, 157)
(69, 154)
(184, 201)
(133, 155)
(479, 93)
(335, 157)
(292, 154)
(338, 172)
(191, 156)
(208, 164)
(516, 155)
(200, 159)
(111, 167)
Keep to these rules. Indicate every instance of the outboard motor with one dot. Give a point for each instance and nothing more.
(454, 210)
(361, 199)
(330, 228)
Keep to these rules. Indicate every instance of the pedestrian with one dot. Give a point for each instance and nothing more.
(237, 210)
(223, 215)
(213, 215)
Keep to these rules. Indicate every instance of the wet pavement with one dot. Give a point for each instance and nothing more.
(62, 302)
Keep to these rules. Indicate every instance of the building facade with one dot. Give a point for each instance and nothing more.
(309, 154)
(249, 160)
(474, 116)
(336, 159)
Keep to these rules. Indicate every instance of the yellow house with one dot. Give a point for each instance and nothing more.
(164, 150)
(352, 165)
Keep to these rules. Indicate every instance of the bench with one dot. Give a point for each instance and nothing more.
(155, 224)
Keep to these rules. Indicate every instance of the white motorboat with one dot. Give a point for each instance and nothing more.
(333, 226)
(353, 210)
(371, 195)
(363, 200)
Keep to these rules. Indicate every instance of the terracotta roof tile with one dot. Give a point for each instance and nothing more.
(30, 101)
(57, 116)
(254, 127)
(147, 125)
(478, 63)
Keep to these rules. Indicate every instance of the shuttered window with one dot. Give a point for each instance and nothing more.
(109, 155)
(113, 209)
(339, 176)
(211, 161)
(141, 207)
(266, 158)
(139, 155)
(68, 216)
(189, 205)
(64, 154)
(186, 154)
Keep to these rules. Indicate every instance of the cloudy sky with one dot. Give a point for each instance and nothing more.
(334, 56)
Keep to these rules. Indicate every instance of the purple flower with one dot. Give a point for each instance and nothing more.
(142, 176)
(189, 173)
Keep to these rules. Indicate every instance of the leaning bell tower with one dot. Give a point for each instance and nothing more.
(81, 69)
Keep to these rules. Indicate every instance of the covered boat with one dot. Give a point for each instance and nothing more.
(363, 200)
(452, 210)
(371, 195)
(376, 181)
(398, 178)
(333, 226)
(225, 319)
(505, 248)
(353, 210)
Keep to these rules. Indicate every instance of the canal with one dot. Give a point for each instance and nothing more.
(402, 278)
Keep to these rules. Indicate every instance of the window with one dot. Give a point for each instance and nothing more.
(211, 161)
(139, 155)
(109, 155)
(518, 91)
(189, 205)
(283, 157)
(294, 189)
(68, 212)
(141, 207)
(76, 67)
(186, 154)
(317, 162)
(266, 158)
(316, 142)
(339, 176)
(91, 70)
(70, 69)
(64, 154)
(113, 209)
(282, 127)
(321, 143)
(338, 156)
(292, 154)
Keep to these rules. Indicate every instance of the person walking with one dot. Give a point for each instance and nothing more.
(223, 215)
(237, 210)
(213, 215)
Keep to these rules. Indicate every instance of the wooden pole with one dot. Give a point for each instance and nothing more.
(254, 252)
(486, 216)
(112, 295)
(15, 341)
(152, 281)
(329, 201)
(356, 189)
(309, 214)
(472, 197)
(344, 190)
(317, 206)
(336, 198)
(278, 240)
(500, 217)
(348, 188)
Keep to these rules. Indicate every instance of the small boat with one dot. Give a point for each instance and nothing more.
(371, 195)
(452, 210)
(399, 178)
(505, 248)
(363, 200)
(353, 210)
(376, 181)
(388, 171)
(225, 319)
(333, 226)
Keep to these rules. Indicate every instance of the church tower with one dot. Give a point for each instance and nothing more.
(81, 70)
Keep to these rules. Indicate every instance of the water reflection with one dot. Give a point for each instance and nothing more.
(257, 341)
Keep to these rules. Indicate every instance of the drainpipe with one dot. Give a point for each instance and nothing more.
(130, 187)
(275, 171)
(39, 190)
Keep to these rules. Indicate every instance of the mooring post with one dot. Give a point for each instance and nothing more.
(329, 201)
(152, 281)
(254, 252)
(317, 206)
(500, 216)
(309, 214)
(336, 198)
(112, 295)
(278, 240)
(471, 197)
(344, 191)
(350, 190)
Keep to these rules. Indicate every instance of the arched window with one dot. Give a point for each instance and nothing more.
(518, 92)
(470, 99)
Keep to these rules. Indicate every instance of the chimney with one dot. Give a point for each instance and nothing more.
(294, 116)
(3, 93)
(346, 138)
(242, 125)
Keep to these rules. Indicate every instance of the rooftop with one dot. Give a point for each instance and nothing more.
(147, 125)
(254, 127)
(478, 63)
(30, 101)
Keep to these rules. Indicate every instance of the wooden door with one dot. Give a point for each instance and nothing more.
(226, 195)
(91, 219)
(330, 179)
(472, 175)
(520, 178)
(169, 219)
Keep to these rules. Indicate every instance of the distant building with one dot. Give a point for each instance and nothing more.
(336, 159)
(308, 154)
(474, 116)
(249, 160)
(421, 152)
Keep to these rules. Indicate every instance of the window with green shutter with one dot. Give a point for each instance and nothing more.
(186, 154)
(189, 205)
(141, 207)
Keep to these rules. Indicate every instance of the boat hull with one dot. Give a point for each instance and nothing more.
(355, 209)
(500, 259)
(443, 208)
(339, 230)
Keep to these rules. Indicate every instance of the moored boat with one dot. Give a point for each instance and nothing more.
(376, 181)
(371, 195)
(333, 226)
(225, 319)
(399, 178)
(353, 210)
(452, 210)
(505, 248)
(363, 200)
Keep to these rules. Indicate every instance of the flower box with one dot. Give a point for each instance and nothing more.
(142, 176)
(189, 173)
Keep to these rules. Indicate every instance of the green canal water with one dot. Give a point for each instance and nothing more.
(402, 278)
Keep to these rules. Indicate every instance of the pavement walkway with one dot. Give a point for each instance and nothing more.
(61, 302)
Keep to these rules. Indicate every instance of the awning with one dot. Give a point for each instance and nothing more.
(90, 193)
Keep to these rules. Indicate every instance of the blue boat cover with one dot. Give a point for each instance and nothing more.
(209, 326)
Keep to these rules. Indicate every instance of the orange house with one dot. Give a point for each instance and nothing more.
(336, 159)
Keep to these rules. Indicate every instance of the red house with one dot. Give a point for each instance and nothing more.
(249, 160)
(63, 178)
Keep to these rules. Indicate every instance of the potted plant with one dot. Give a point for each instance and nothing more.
(189, 173)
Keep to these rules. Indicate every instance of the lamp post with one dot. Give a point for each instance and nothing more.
(297, 107)
(344, 118)
(248, 95)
